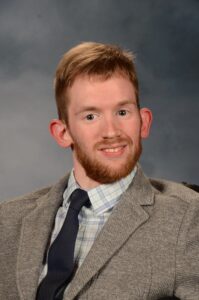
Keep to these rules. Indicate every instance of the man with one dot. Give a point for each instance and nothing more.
(131, 237)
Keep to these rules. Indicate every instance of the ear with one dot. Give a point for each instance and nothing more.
(60, 133)
(146, 118)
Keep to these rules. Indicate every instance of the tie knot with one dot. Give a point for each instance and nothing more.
(78, 199)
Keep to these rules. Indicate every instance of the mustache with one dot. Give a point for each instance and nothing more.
(110, 142)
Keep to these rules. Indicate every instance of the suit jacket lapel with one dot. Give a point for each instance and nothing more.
(35, 233)
(124, 220)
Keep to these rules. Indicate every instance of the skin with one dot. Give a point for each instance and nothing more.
(105, 125)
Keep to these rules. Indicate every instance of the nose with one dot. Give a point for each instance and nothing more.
(110, 128)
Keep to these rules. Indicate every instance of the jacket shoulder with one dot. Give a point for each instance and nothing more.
(174, 190)
(20, 205)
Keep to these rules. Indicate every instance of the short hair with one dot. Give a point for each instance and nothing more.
(91, 59)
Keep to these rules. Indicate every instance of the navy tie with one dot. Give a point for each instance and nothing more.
(61, 253)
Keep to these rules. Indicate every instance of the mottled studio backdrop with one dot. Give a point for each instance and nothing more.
(33, 36)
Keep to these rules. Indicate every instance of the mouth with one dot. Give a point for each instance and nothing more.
(113, 151)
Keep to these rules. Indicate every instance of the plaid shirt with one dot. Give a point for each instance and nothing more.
(103, 198)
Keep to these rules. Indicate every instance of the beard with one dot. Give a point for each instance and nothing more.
(103, 173)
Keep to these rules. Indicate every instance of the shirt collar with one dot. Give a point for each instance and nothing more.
(103, 197)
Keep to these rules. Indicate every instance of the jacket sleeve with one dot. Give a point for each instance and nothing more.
(187, 255)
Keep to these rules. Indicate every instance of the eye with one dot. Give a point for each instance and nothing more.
(122, 112)
(90, 117)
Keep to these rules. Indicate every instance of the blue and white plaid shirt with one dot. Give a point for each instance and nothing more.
(103, 198)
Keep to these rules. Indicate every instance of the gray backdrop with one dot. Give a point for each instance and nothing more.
(33, 36)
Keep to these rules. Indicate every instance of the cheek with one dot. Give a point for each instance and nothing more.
(88, 134)
(84, 139)
(132, 130)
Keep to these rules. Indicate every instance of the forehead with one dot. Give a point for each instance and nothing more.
(86, 89)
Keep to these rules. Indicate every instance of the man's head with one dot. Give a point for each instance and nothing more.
(91, 59)
(99, 115)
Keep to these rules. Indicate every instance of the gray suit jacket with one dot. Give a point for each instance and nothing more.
(148, 248)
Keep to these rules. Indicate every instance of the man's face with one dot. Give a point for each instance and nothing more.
(105, 127)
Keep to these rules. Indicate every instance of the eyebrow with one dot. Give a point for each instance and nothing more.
(94, 108)
(126, 102)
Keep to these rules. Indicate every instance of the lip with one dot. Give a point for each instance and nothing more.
(113, 154)
(112, 146)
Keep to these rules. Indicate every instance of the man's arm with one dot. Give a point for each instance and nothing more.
(187, 254)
